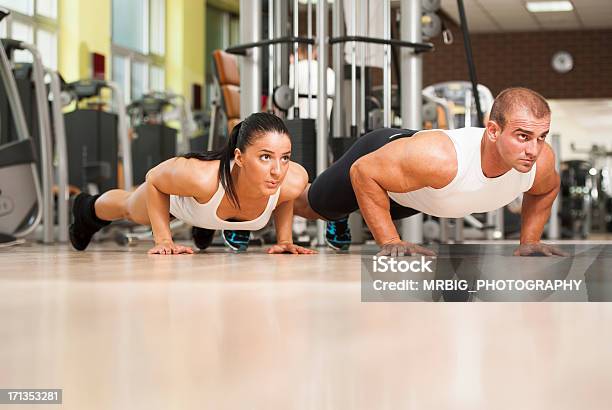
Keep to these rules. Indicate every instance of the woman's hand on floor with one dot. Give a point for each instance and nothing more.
(290, 248)
(169, 248)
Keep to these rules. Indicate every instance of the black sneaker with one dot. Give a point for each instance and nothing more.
(202, 237)
(236, 240)
(85, 223)
(338, 235)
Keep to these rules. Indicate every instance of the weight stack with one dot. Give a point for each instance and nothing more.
(100, 145)
(304, 144)
(155, 144)
(199, 143)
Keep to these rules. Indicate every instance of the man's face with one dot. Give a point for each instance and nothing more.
(521, 140)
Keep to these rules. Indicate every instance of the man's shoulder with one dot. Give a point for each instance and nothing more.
(432, 154)
(432, 146)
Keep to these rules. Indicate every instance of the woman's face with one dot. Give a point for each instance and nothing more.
(265, 162)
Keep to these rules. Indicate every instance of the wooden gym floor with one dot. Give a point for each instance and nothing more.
(118, 329)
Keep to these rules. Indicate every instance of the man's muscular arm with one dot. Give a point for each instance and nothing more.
(537, 203)
(425, 159)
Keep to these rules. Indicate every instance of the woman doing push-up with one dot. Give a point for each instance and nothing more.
(236, 189)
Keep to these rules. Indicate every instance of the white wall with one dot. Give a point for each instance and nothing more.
(582, 122)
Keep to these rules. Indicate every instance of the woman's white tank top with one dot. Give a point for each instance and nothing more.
(470, 191)
(187, 209)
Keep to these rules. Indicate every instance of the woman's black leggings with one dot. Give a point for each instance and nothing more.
(331, 194)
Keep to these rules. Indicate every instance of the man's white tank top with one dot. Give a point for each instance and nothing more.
(470, 191)
(187, 209)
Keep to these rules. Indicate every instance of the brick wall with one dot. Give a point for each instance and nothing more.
(524, 59)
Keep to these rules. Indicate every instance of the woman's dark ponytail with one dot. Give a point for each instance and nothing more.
(241, 136)
(225, 171)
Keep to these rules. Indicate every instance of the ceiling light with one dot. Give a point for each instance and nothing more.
(549, 6)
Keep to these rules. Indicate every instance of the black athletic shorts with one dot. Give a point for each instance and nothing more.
(331, 194)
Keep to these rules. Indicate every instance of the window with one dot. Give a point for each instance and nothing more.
(47, 8)
(21, 6)
(129, 28)
(157, 27)
(138, 32)
(121, 68)
(140, 79)
(156, 78)
(47, 45)
(22, 32)
(35, 22)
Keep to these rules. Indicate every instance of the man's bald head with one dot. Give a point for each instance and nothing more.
(512, 99)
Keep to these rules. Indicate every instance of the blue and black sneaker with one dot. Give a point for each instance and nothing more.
(338, 235)
(237, 240)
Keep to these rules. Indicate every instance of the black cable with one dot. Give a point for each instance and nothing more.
(470, 61)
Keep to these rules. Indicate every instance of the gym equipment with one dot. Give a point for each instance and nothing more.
(226, 106)
(181, 112)
(463, 100)
(61, 153)
(430, 111)
(98, 140)
(34, 96)
(437, 112)
(586, 193)
(153, 140)
(431, 6)
(431, 25)
(371, 115)
(21, 198)
(470, 61)
(199, 138)
(339, 144)
(577, 185)
(302, 130)
(553, 229)
(387, 90)
(282, 97)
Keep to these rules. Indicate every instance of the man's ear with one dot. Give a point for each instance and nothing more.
(238, 157)
(493, 131)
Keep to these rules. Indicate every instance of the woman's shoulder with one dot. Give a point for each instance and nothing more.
(295, 182)
(201, 176)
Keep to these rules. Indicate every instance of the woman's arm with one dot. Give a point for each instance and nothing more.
(283, 221)
(175, 176)
(158, 206)
(295, 182)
